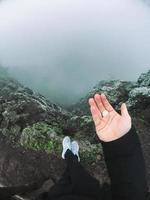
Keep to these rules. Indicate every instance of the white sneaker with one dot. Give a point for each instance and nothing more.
(66, 145)
(75, 149)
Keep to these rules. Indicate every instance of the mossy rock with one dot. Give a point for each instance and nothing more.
(41, 136)
(90, 153)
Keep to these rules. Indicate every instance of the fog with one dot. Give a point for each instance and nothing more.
(62, 48)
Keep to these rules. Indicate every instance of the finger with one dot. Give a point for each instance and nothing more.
(95, 115)
(93, 104)
(91, 101)
(124, 111)
(106, 103)
(99, 103)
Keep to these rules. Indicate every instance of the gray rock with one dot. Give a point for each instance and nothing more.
(22, 169)
(139, 98)
(144, 79)
(117, 92)
(22, 107)
(29, 121)
(135, 94)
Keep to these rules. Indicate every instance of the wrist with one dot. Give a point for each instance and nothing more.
(124, 145)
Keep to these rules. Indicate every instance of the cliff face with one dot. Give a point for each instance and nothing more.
(20, 106)
(135, 94)
(32, 129)
(137, 97)
(23, 163)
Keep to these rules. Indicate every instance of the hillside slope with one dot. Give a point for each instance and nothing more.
(32, 129)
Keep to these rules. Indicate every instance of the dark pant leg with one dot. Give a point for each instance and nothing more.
(83, 183)
(75, 181)
(62, 187)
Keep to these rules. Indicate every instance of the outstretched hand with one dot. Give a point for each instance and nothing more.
(109, 124)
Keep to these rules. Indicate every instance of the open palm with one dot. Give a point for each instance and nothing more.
(113, 125)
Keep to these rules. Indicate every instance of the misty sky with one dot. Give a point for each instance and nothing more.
(64, 47)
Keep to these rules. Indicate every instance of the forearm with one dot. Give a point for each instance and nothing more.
(126, 167)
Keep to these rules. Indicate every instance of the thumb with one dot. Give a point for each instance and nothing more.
(124, 110)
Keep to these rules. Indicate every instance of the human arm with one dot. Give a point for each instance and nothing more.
(122, 150)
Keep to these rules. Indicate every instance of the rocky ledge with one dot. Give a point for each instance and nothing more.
(32, 129)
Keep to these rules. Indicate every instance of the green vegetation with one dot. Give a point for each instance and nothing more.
(89, 156)
(86, 120)
(90, 153)
(41, 136)
(142, 118)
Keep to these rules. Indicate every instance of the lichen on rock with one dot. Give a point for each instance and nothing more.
(41, 136)
(35, 124)
(144, 79)
(139, 97)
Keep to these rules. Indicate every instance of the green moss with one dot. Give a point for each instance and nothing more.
(88, 157)
(85, 120)
(142, 118)
(40, 136)
(44, 128)
(91, 154)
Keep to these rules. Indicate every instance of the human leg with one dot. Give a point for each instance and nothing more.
(75, 180)
(63, 186)
(82, 182)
